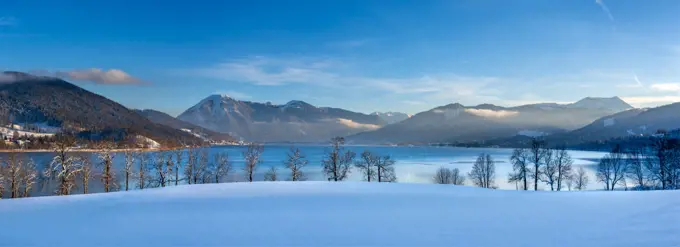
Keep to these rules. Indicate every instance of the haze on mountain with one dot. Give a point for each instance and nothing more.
(458, 123)
(392, 117)
(630, 123)
(295, 121)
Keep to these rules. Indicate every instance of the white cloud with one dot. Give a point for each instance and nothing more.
(645, 101)
(605, 9)
(7, 21)
(234, 94)
(351, 124)
(425, 89)
(666, 87)
(272, 72)
(488, 113)
(99, 76)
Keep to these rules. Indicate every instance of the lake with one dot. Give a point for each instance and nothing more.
(415, 164)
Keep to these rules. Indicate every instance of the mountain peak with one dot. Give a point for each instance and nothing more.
(297, 104)
(610, 103)
(220, 97)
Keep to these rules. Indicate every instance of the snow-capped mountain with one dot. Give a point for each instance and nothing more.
(392, 117)
(200, 132)
(293, 121)
(634, 122)
(615, 104)
(458, 123)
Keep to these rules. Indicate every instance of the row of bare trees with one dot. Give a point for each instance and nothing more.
(539, 163)
(69, 170)
(17, 175)
(483, 173)
(552, 166)
(337, 164)
(655, 166)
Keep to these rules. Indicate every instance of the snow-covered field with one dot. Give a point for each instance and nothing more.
(343, 214)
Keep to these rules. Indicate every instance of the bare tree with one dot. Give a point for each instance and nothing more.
(64, 165)
(86, 172)
(442, 176)
(385, 169)
(202, 170)
(520, 166)
(144, 174)
(252, 159)
(611, 169)
(337, 162)
(222, 166)
(108, 173)
(191, 166)
(28, 178)
(483, 171)
(366, 164)
(178, 164)
(163, 168)
(13, 167)
(635, 170)
(130, 157)
(271, 174)
(549, 169)
(295, 162)
(563, 162)
(516, 178)
(663, 152)
(449, 176)
(536, 151)
(581, 179)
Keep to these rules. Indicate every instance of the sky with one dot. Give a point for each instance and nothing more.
(361, 55)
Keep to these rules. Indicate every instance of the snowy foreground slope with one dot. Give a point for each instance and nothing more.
(343, 214)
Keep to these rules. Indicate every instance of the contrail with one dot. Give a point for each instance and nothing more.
(639, 84)
(605, 9)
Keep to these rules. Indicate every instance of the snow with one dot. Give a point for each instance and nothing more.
(148, 141)
(293, 104)
(609, 122)
(343, 214)
(10, 132)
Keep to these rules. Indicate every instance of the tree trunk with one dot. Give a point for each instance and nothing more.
(536, 177)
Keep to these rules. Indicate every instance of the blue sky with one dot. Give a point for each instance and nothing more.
(382, 55)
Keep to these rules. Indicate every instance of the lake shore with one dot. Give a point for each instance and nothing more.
(85, 150)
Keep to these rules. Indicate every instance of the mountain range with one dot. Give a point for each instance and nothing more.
(392, 117)
(200, 132)
(220, 118)
(295, 121)
(459, 123)
(55, 102)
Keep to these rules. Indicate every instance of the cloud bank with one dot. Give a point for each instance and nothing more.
(99, 76)
(491, 113)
